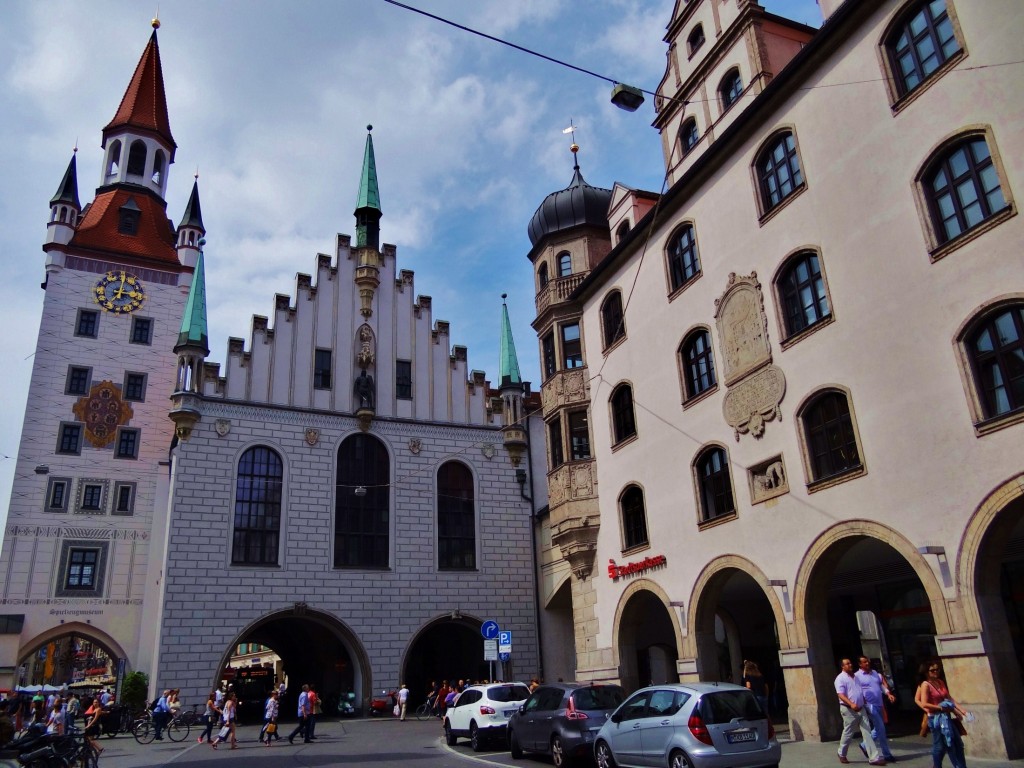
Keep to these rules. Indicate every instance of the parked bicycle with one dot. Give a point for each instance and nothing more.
(177, 728)
(424, 710)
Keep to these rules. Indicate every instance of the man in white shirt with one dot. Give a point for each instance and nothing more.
(403, 698)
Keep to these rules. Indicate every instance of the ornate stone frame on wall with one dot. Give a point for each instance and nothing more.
(756, 387)
(768, 479)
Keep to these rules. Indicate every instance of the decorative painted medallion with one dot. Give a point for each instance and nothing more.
(119, 292)
(102, 411)
(312, 436)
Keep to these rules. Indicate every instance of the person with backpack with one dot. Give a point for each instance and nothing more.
(161, 714)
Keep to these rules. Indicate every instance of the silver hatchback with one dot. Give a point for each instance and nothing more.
(703, 725)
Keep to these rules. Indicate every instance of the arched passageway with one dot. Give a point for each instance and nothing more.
(646, 642)
(735, 622)
(76, 658)
(446, 649)
(864, 598)
(558, 641)
(315, 648)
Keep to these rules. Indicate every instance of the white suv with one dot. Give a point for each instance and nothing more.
(482, 711)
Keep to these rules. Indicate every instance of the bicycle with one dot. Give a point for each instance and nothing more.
(424, 710)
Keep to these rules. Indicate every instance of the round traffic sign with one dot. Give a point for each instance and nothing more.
(489, 629)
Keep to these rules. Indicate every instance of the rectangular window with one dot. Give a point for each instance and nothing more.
(322, 369)
(92, 497)
(12, 623)
(124, 498)
(572, 349)
(579, 435)
(87, 323)
(555, 443)
(81, 573)
(142, 330)
(70, 439)
(57, 491)
(78, 380)
(547, 347)
(134, 387)
(127, 444)
(403, 379)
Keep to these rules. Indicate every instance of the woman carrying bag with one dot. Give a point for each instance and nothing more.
(269, 730)
(943, 715)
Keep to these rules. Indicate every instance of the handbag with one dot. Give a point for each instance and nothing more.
(224, 732)
(397, 710)
(271, 727)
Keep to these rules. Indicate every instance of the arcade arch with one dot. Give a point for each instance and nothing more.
(67, 654)
(450, 647)
(646, 636)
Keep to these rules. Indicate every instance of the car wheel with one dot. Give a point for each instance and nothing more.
(476, 739)
(449, 737)
(678, 760)
(603, 755)
(514, 746)
(558, 756)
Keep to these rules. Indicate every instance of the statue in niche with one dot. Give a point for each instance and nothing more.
(363, 389)
(365, 356)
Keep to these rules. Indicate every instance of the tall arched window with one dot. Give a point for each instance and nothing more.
(715, 484)
(688, 135)
(542, 275)
(830, 438)
(996, 349)
(778, 171)
(698, 363)
(564, 264)
(113, 159)
(730, 89)
(612, 321)
(921, 43)
(623, 420)
(257, 522)
(634, 518)
(137, 158)
(802, 291)
(695, 40)
(158, 166)
(621, 231)
(962, 188)
(683, 261)
(456, 518)
(363, 504)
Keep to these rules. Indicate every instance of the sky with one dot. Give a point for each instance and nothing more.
(269, 103)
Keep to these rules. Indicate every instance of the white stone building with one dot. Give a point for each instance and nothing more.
(785, 397)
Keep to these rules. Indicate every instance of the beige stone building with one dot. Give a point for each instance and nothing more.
(784, 396)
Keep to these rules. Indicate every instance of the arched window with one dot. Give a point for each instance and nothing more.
(456, 517)
(830, 438)
(802, 291)
(689, 136)
(362, 506)
(698, 363)
(621, 231)
(731, 89)
(257, 524)
(683, 261)
(623, 420)
(962, 188)
(778, 171)
(695, 40)
(634, 518)
(158, 166)
(612, 321)
(920, 44)
(715, 484)
(996, 349)
(564, 264)
(137, 158)
(542, 275)
(113, 159)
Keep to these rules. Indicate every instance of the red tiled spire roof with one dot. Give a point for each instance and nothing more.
(153, 241)
(144, 106)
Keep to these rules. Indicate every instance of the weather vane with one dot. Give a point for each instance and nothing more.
(574, 147)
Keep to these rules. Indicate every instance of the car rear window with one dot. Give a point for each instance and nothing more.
(723, 707)
(601, 697)
(508, 693)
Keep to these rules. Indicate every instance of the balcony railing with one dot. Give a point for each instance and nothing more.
(558, 290)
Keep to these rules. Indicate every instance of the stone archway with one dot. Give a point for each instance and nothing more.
(860, 579)
(68, 654)
(450, 648)
(646, 637)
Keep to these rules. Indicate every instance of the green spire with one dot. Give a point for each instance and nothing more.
(509, 365)
(193, 324)
(369, 195)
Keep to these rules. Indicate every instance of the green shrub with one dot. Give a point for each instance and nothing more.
(134, 690)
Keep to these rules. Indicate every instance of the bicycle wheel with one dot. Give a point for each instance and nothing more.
(423, 711)
(177, 730)
(144, 731)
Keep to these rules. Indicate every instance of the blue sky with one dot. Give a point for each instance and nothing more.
(269, 100)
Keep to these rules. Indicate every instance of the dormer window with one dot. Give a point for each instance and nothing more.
(695, 40)
(621, 231)
(128, 218)
(137, 158)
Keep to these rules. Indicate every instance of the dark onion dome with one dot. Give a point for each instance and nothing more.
(577, 204)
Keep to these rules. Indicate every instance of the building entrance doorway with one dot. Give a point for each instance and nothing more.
(308, 647)
(448, 648)
(73, 659)
(646, 642)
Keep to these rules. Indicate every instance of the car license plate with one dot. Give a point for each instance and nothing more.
(509, 712)
(735, 737)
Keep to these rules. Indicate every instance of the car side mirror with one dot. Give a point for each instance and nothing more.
(521, 708)
(616, 718)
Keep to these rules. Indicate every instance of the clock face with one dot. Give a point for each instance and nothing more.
(119, 292)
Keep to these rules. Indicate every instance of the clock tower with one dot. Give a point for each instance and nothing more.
(87, 514)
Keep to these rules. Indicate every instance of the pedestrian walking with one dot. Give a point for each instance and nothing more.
(161, 714)
(303, 713)
(754, 680)
(944, 716)
(314, 710)
(876, 691)
(270, 711)
(403, 700)
(227, 719)
(210, 717)
(851, 706)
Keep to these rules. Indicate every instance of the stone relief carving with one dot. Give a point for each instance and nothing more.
(755, 400)
(223, 427)
(742, 327)
(365, 356)
(312, 436)
(563, 388)
(768, 480)
(415, 445)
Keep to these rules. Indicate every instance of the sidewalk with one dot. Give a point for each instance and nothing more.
(911, 751)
